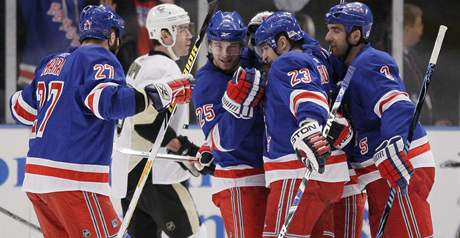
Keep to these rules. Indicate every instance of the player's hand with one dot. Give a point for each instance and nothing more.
(205, 163)
(181, 145)
(311, 147)
(161, 95)
(244, 92)
(340, 133)
(393, 164)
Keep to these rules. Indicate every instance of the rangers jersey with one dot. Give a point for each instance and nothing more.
(380, 109)
(72, 106)
(237, 143)
(294, 93)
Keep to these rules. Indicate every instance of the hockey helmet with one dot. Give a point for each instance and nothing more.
(255, 22)
(98, 21)
(227, 26)
(350, 15)
(275, 24)
(165, 16)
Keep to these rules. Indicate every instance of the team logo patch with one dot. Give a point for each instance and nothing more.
(170, 226)
(87, 25)
(114, 223)
(86, 233)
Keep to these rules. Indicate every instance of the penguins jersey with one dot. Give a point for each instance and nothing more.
(293, 94)
(237, 144)
(380, 109)
(140, 131)
(72, 105)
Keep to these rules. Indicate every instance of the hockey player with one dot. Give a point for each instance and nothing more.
(295, 107)
(381, 112)
(72, 105)
(226, 100)
(349, 211)
(166, 203)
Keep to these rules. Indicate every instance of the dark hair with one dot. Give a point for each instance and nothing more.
(294, 44)
(411, 12)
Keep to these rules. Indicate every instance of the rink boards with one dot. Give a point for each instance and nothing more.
(444, 198)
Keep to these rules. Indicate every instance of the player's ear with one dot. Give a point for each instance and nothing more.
(166, 37)
(283, 44)
(355, 37)
(112, 38)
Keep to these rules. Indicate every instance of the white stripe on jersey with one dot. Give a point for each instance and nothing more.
(389, 99)
(92, 100)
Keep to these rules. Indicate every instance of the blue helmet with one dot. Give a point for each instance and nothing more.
(98, 21)
(350, 15)
(227, 26)
(275, 24)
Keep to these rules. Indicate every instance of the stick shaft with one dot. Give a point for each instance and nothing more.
(20, 219)
(414, 120)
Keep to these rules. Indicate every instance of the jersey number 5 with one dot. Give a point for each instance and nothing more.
(47, 100)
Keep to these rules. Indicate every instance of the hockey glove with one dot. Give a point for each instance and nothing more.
(205, 163)
(392, 162)
(186, 148)
(311, 147)
(161, 95)
(244, 92)
(340, 133)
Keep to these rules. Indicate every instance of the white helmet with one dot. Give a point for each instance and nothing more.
(259, 18)
(253, 24)
(166, 16)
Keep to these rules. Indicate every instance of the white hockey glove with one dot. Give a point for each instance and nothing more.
(311, 147)
(393, 163)
(205, 163)
(244, 92)
(340, 133)
(161, 95)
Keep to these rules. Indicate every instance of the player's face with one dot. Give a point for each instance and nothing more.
(266, 52)
(226, 55)
(337, 38)
(183, 40)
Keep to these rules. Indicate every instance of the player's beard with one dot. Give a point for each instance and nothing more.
(115, 47)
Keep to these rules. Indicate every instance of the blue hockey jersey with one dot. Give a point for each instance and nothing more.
(380, 109)
(72, 106)
(294, 93)
(237, 143)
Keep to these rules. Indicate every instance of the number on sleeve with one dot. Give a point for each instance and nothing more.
(205, 113)
(386, 71)
(299, 76)
(101, 71)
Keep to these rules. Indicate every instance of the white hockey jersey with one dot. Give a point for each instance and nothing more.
(154, 67)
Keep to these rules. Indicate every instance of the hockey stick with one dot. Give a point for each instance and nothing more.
(325, 132)
(144, 154)
(413, 124)
(20, 219)
(172, 108)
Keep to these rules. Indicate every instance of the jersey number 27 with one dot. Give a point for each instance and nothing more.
(47, 99)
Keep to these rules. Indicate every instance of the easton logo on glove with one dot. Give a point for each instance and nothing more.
(393, 163)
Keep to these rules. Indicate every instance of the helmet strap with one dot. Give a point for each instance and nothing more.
(169, 48)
